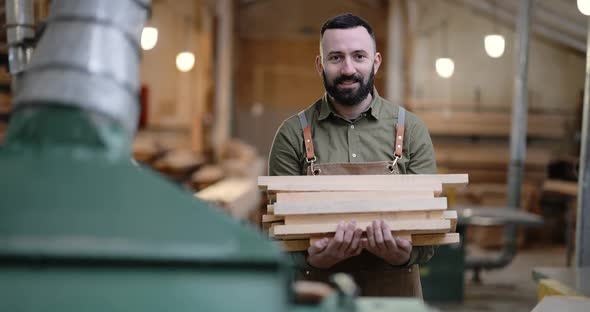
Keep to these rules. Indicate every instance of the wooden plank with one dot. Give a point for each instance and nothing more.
(364, 179)
(497, 124)
(451, 215)
(353, 187)
(359, 206)
(413, 227)
(422, 239)
(239, 195)
(293, 245)
(563, 187)
(435, 239)
(363, 217)
(486, 155)
(271, 218)
(313, 196)
(417, 240)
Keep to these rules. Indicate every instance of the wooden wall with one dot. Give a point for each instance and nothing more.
(278, 42)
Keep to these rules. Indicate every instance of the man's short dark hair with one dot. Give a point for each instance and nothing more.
(346, 21)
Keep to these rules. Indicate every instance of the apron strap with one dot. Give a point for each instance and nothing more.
(399, 132)
(310, 154)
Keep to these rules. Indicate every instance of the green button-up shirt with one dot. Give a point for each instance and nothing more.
(369, 138)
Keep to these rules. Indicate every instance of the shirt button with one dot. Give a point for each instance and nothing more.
(351, 126)
(354, 155)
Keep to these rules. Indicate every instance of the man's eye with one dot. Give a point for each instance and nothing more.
(334, 58)
(360, 57)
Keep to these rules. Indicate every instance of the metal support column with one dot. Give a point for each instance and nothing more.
(583, 218)
(223, 76)
(518, 136)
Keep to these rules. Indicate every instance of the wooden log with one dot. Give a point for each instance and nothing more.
(359, 206)
(412, 227)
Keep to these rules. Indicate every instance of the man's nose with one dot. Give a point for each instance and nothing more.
(347, 67)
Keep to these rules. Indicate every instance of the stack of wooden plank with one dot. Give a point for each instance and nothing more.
(491, 124)
(488, 162)
(305, 208)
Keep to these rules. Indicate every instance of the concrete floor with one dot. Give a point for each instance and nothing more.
(508, 289)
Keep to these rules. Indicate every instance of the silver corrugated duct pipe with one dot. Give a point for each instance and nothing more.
(73, 64)
(20, 31)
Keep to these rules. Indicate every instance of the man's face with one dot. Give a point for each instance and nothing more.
(348, 64)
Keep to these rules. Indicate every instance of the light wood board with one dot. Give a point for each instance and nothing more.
(358, 206)
(412, 227)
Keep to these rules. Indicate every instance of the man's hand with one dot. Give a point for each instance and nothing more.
(326, 252)
(380, 242)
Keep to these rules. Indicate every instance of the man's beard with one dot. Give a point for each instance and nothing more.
(349, 97)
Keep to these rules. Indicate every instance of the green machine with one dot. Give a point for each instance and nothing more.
(83, 227)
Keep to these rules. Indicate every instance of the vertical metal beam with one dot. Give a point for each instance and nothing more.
(518, 132)
(394, 90)
(583, 216)
(517, 140)
(223, 76)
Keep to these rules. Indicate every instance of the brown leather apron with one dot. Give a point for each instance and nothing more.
(374, 276)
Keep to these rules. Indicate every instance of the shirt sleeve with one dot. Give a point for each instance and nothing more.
(284, 159)
(422, 158)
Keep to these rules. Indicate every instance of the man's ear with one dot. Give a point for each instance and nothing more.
(318, 65)
(377, 62)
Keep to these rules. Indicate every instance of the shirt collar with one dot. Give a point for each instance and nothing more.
(375, 108)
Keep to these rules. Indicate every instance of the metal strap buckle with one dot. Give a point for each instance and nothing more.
(392, 165)
(311, 163)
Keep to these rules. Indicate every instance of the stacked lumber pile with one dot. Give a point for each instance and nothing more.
(305, 208)
(478, 143)
(489, 162)
(492, 124)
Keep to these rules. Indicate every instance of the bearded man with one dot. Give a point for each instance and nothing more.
(352, 130)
